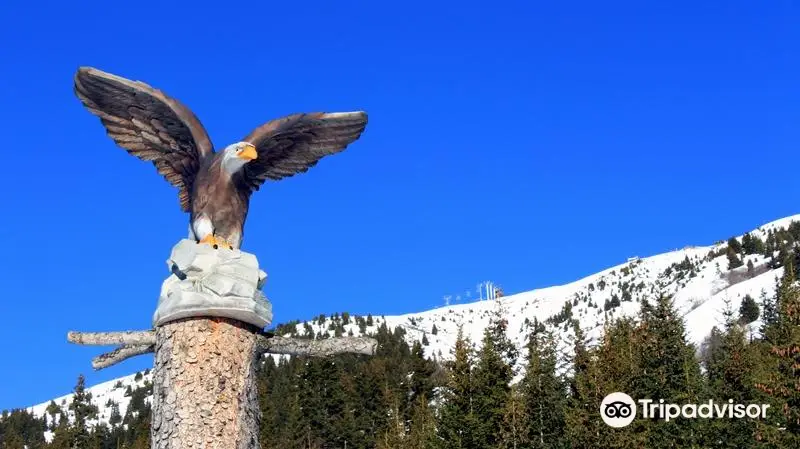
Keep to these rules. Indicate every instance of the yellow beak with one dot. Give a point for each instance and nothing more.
(249, 153)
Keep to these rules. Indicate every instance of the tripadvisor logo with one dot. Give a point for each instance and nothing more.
(619, 410)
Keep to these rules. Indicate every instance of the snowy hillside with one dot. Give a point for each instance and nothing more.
(109, 397)
(697, 277)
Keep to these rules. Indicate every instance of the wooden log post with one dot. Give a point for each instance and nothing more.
(204, 385)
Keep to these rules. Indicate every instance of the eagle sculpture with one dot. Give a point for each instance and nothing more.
(214, 187)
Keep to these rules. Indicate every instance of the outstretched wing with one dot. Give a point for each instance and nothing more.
(148, 124)
(295, 143)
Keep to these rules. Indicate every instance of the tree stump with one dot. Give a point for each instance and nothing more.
(204, 385)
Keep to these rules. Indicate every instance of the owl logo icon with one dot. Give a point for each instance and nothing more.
(618, 409)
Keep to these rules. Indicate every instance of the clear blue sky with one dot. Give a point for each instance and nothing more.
(528, 143)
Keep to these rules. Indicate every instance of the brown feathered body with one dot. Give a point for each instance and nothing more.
(216, 196)
(213, 187)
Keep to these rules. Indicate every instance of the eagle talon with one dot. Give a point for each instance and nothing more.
(222, 243)
(216, 242)
(211, 240)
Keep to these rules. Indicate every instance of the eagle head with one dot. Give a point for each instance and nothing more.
(236, 155)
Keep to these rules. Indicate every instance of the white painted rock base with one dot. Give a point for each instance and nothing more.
(213, 282)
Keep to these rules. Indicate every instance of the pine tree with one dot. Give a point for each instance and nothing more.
(20, 429)
(782, 258)
(11, 439)
(747, 243)
(492, 377)
(373, 378)
(98, 437)
(82, 410)
(323, 400)
(752, 244)
(733, 259)
(514, 428)
(769, 244)
(710, 349)
(780, 364)
(137, 419)
(667, 370)
(457, 420)
(618, 363)
(543, 393)
(582, 416)
(53, 409)
(348, 426)
(420, 371)
(422, 431)
(794, 230)
(141, 435)
(748, 311)
(394, 437)
(769, 310)
(115, 417)
(63, 435)
(734, 245)
(729, 376)
(267, 383)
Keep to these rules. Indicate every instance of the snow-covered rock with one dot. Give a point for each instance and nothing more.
(213, 282)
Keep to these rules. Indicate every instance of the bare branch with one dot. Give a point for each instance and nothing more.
(120, 354)
(317, 348)
(112, 338)
(133, 343)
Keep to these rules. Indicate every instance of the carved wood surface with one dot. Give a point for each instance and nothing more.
(204, 385)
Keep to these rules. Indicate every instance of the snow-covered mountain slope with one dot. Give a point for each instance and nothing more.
(698, 278)
(106, 396)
